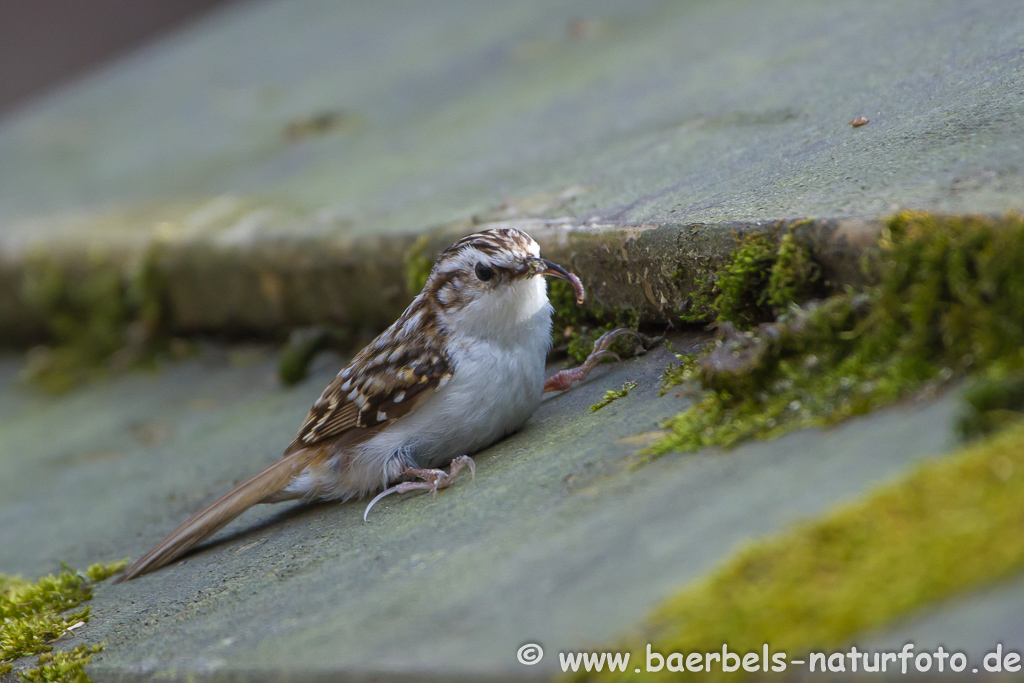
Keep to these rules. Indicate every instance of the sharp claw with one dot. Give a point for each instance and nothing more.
(386, 492)
(458, 463)
(601, 355)
(397, 488)
(382, 494)
(606, 339)
(442, 480)
(566, 378)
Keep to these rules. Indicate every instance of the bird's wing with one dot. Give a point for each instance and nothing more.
(381, 384)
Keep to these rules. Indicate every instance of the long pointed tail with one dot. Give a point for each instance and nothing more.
(264, 487)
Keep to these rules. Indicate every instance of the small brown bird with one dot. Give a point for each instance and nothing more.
(462, 367)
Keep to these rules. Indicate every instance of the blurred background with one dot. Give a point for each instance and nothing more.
(46, 43)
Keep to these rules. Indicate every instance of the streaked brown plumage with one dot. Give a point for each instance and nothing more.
(418, 395)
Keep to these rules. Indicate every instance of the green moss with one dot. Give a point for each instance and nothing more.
(948, 301)
(575, 328)
(952, 525)
(103, 571)
(677, 373)
(795, 277)
(303, 346)
(614, 395)
(65, 667)
(762, 277)
(991, 402)
(100, 318)
(701, 305)
(743, 283)
(418, 264)
(32, 615)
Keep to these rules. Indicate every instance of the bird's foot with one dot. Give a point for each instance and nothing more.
(432, 480)
(566, 378)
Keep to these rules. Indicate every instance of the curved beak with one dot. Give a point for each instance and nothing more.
(539, 266)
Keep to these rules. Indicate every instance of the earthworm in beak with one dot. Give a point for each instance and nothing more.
(545, 267)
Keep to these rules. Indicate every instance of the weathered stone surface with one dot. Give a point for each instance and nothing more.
(654, 112)
(557, 541)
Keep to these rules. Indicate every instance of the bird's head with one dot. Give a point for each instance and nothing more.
(493, 280)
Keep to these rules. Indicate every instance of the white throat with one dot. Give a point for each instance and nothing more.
(517, 315)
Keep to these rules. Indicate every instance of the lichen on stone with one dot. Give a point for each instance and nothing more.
(947, 301)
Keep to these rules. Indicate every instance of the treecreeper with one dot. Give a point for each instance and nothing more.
(461, 368)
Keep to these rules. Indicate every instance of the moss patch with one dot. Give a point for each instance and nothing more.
(32, 615)
(743, 283)
(613, 395)
(66, 667)
(418, 263)
(953, 524)
(763, 277)
(991, 402)
(795, 276)
(303, 346)
(948, 301)
(677, 373)
(575, 328)
(100, 318)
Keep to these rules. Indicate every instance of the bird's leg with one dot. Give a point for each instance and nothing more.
(566, 378)
(432, 480)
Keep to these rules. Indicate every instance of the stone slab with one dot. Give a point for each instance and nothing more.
(633, 113)
(558, 541)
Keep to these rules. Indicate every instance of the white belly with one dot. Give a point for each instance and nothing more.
(494, 389)
(491, 395)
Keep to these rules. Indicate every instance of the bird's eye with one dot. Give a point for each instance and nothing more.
(484, 272)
